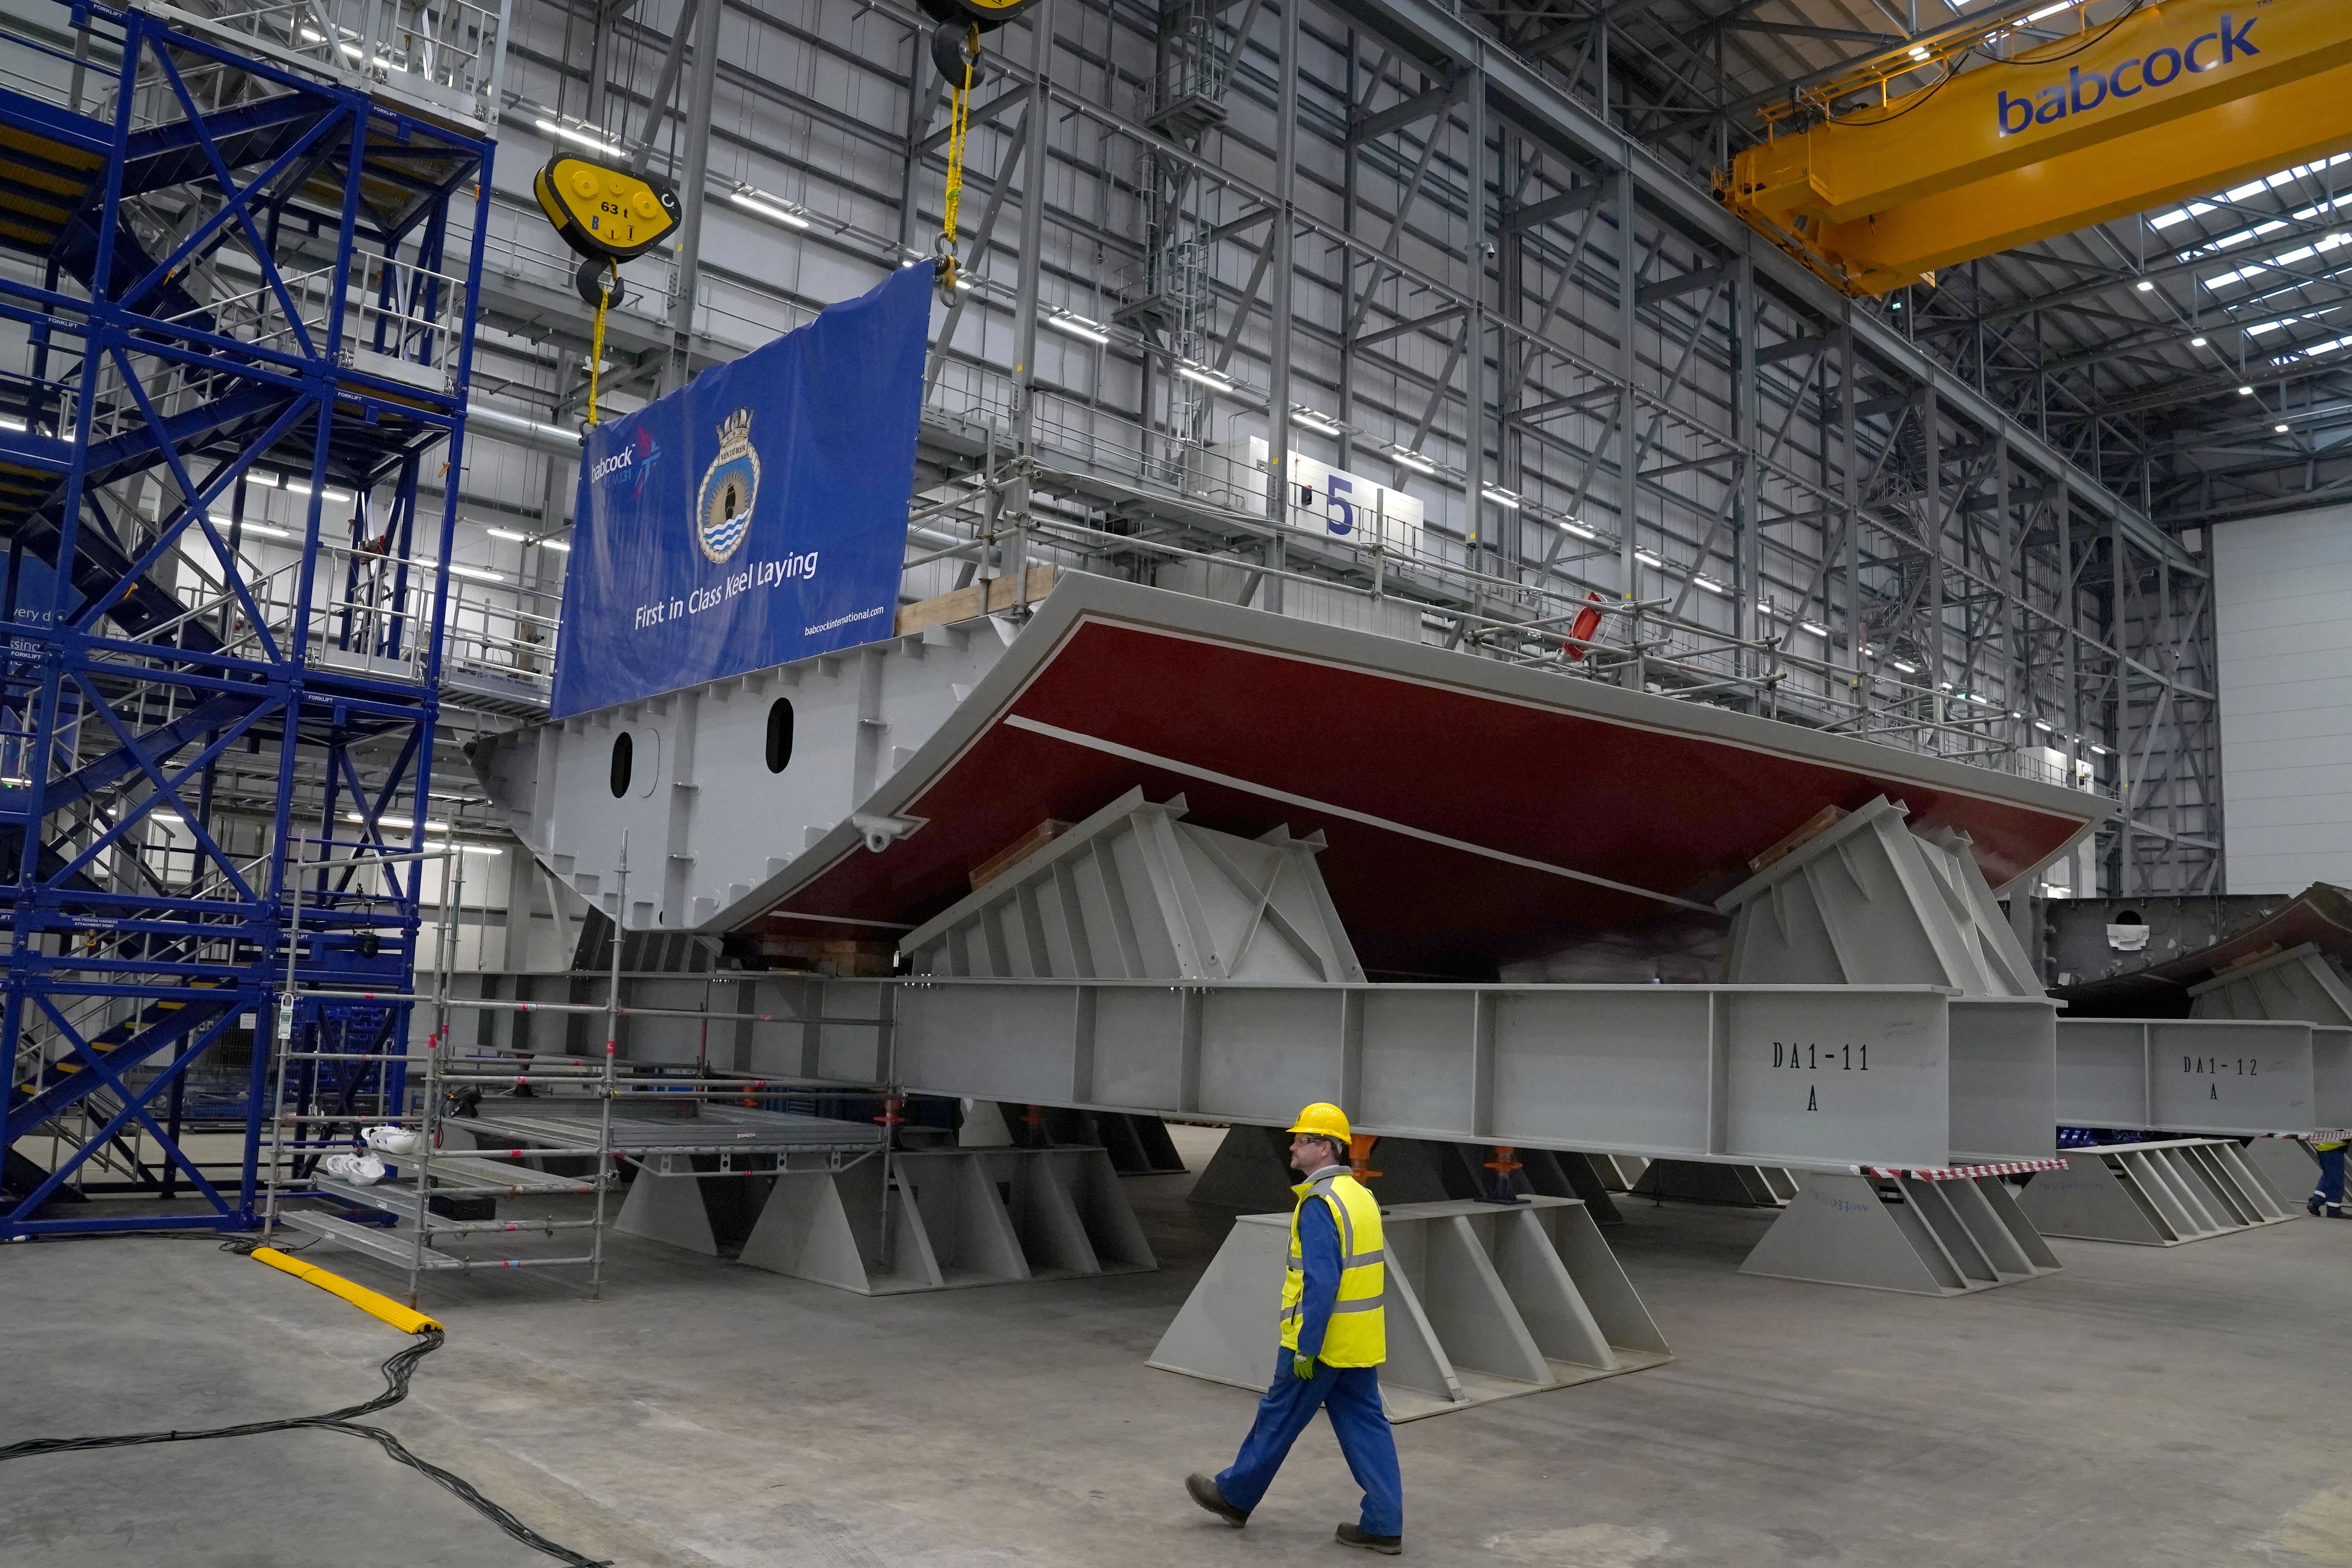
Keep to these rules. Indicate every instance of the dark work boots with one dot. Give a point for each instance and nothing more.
(1386, 1545)
(1204, 1492)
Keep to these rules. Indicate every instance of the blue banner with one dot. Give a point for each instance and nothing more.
(758, 515)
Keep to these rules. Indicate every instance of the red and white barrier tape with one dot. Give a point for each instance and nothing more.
(1961, 1173)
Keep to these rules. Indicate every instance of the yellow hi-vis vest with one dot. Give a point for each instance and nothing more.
(1357, 1335)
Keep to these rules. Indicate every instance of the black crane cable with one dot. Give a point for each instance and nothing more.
(1920, 100)
(398, 1369)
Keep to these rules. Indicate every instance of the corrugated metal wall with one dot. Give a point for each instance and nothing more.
(2283, 591)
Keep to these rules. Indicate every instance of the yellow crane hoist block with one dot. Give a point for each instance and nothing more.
(604, 214)
(2167, 102)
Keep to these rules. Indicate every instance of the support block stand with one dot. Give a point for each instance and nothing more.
(951, 1217)
(1944, 1234)
(2152, 1194)
(1695, 1181)
(2286, 1166)
(1484, 1301)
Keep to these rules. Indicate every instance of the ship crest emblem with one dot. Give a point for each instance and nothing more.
(723, 515)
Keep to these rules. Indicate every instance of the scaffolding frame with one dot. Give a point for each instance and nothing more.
(143, 647)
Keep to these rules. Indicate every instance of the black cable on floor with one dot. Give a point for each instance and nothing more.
(397, 1370)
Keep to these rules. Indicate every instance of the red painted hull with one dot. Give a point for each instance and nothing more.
(1158, 690)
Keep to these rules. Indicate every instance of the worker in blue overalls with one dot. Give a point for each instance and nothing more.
(1333, 1341)
(2327, 1198)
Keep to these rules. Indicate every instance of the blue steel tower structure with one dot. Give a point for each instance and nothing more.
(230, 267)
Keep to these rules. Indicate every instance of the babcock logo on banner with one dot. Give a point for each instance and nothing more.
(754, 517)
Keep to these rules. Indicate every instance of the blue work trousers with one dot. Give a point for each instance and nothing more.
(1352, 1397)
(2331, 1176)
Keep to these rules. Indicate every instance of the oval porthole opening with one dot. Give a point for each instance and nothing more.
(779, 734)
(625, 758)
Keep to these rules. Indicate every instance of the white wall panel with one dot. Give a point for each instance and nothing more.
(2283, 595)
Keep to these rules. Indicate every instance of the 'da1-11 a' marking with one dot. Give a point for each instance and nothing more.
(1811, 1056)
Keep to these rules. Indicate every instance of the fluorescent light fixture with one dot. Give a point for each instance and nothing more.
(765, 206)
(8, 423)
(2245, 392)
(553, 544)
(2045, 729)
(1078, 327)
(1204, 377)
(294, 487)
(1577, 528)
(168, 818)
(400, 821)
(476, 572)
(1646, 559)
(2280, 429)
(1906, 669)
(2144, 285)
(1314, 419)
(2196, 342)
(1815, 627)
(265, 530)
(1501, 497)
(480, 849)
(586, 135)
(507, 534)
(2097, 748)
(1413, 461)
(1709, 583)
(1917, 53)
(256, 477)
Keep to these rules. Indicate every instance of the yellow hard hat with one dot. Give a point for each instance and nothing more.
(1324, 1119)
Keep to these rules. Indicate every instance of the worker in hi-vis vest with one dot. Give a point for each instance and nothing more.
(1333, 1341)
(2329, 1196)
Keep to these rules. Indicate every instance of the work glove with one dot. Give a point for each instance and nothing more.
(1302, 1367)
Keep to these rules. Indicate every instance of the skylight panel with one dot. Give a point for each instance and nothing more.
(2285, 258)
(2255, 188)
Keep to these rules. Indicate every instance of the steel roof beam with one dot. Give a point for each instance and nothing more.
(1549, 115)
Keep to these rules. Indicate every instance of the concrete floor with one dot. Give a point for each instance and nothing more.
(2144, 1407)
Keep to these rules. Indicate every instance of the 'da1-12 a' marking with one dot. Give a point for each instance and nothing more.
(2221, 1067)
(1811, 1056)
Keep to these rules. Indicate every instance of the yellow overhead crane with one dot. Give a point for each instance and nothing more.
(2148, 105)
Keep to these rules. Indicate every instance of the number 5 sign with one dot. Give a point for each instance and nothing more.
(1344, 506)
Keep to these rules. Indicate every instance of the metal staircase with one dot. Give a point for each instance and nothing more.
(240, 221)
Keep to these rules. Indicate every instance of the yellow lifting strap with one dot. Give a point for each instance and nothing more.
(959, 124)
(610, 284)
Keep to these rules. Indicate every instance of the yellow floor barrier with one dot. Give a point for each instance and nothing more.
(407, 1319)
